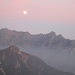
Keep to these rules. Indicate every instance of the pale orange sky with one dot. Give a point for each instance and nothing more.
(43, 10)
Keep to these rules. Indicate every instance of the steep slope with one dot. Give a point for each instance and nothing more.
(15, 62)
(43, 41)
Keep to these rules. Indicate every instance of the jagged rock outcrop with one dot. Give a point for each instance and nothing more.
(15, 62)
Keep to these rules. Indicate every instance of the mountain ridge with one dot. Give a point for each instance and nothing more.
(15, 62)
(48, 41)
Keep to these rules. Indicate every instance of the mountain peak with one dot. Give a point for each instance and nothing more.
(52, 33)
(4, 29)
(13, 49)
(60, 36)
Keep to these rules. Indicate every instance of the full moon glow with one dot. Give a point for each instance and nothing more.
(25, 12)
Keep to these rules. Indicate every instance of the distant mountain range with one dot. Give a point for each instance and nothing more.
(15, 62)
(43, 41)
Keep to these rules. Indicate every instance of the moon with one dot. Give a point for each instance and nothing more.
(25, 12)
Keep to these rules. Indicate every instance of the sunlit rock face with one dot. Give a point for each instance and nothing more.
(15, 62)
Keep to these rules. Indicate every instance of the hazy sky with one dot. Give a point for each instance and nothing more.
(43, 16)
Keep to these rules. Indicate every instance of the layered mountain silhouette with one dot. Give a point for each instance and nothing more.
(15, 62)
(43, 41)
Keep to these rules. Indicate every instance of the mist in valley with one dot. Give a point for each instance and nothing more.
(63, 60)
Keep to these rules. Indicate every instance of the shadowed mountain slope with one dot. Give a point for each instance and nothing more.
(15, 62)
